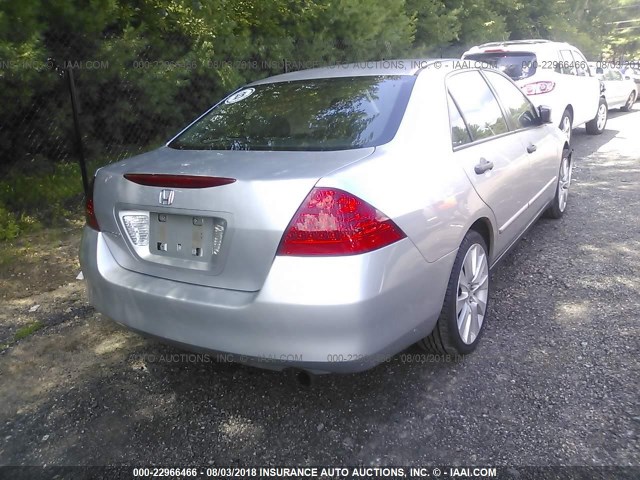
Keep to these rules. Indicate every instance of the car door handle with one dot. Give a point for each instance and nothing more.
(483, 166)
(531, 148)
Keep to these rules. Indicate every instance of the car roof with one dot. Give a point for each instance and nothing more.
(531, 45)
(532, 41)
(405, 67)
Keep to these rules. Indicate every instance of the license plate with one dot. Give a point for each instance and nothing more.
(185, 236)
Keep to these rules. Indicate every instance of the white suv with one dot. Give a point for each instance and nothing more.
(553, 74)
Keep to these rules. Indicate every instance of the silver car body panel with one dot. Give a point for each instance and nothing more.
(323, 314)
(257, 207)
(336, 314)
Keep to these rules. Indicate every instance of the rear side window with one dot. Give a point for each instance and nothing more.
(316, 114)
(478, 106)
(517, 65)
(614, 75)
(520, 112)
(459, 133)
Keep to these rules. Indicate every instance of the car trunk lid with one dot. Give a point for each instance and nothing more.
(221, 231)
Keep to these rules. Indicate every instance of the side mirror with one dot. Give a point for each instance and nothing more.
(627, 77)
(545, 114)
(528, 119)
(602, 87)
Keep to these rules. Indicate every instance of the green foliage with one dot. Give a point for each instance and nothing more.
(589, 26)
(9, 225)
(623, 38)
(163, 62)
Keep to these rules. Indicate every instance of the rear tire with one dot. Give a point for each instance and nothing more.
(559, 203)
(464, 311)
(596, 126)
(630, 101)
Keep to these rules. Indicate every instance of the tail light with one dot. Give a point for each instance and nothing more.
(89, 210)
(537, 88)
(333, 222)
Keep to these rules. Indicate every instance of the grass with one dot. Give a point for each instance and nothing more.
(27, 330)
(30, 243)
(46, 196)
(42, 193)
(23, 333)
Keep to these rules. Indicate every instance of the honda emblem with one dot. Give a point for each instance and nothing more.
(166, 197)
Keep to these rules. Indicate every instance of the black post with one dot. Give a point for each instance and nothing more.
(76, 124)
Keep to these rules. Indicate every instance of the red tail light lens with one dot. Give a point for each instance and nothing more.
(333, 222)
(537, 88)
(89, 210)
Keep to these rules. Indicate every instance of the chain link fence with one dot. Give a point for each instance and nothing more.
(125, 105)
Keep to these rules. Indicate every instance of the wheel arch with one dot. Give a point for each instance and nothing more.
(484, 227)
(569, 108)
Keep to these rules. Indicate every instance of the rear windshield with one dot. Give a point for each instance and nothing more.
(517, 65)
(320, 114)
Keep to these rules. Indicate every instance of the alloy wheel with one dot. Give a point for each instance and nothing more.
(473, 293)
(602, 117)
(630, 101)
(564, 183)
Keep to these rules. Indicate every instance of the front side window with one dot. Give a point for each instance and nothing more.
(477, 104)
(599, 73)
(582, 67)
(568, 64)
(520, 112)
(317, 114)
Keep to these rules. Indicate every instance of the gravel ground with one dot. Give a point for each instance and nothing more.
(555, 380)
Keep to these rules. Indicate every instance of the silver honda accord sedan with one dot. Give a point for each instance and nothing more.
(327, 219)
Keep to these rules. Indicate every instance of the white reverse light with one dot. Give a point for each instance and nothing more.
(218, 234)
(138, 229)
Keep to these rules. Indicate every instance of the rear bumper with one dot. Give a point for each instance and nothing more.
(341, 314)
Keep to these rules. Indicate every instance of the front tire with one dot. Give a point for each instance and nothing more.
(630, 101)
(596, 126)
(461, 322)
(559, 204)
(566, 124)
